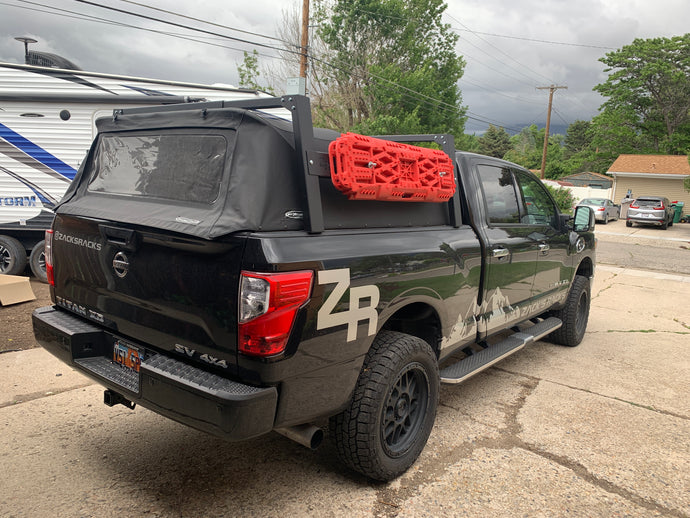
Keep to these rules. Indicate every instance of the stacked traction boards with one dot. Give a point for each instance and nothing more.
(367, 168)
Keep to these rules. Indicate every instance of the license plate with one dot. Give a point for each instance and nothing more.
(127, 355)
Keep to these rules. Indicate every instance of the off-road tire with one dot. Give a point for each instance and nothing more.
(12, 256)
(37, 261)
(574, 315)
(393, 407)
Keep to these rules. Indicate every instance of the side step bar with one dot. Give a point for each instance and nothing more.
(476, 363)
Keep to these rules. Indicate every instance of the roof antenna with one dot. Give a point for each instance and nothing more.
(26, 42)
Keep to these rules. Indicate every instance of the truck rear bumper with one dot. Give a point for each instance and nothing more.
(182, 392)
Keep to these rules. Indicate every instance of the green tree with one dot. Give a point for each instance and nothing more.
(495, 142)
(249, 70)
(564, 198)
(648, 97)
(578, 139)
(555, 165)
(390, 67)
(526, 147)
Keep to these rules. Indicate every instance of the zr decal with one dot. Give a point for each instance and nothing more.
(356, 313)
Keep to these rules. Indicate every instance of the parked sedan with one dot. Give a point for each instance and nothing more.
(604, 210)
(651, 210)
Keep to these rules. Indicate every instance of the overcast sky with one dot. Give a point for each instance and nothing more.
(504, 63)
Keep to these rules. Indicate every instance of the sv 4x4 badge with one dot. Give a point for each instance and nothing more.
(191, 353)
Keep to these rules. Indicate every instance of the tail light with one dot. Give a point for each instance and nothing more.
(267, 310)
(601, 209)
(660, 208)
(48, 252)
(633, 206)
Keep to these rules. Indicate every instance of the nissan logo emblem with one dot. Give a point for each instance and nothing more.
(120, 264)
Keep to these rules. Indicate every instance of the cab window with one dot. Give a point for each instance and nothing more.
(499, 195)
(539, 208)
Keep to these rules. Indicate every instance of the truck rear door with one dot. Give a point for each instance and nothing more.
(511, 249)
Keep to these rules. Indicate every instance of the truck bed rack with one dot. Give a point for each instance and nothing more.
(313, 162)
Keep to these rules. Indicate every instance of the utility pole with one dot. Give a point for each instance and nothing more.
(305, 39)
(551, 90)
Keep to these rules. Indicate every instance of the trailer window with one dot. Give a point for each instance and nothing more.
(181, 167)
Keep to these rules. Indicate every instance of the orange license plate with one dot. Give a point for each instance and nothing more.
(127, 355)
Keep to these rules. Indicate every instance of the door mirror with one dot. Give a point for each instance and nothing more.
(583, 219)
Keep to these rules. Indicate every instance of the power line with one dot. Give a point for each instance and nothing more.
(560, 116)
(501, 72)
(210, 23)
(91, 18)
(427, 98)
(182, 26)
(550, 42)
(495, 47)
(463, 79)
(539, 41)
(408, 93)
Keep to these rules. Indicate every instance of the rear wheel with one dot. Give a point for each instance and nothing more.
(575, 314)
(393, 407)
(12, 256)
(628, 223)
(606, 219)
(37, 261)
(664, 225)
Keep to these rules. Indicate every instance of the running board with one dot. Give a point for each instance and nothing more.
(476, 363)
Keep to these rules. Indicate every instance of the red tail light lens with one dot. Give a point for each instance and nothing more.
(48, 252)
(633, 206)
(267, 310)
(660, 208)
(601, 209)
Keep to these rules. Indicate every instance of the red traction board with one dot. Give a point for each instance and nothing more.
(367, 168)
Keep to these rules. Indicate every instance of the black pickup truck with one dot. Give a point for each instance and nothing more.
(244, 273)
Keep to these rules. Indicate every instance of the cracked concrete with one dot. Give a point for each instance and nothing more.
(599, 430)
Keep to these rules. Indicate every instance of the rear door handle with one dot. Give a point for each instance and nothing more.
(500, 252)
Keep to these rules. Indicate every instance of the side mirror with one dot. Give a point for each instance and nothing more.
(583, 219)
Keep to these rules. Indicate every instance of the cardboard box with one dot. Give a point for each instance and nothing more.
(15, 289)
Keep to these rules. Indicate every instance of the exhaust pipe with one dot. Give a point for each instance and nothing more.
(112, 398)
(305, 434)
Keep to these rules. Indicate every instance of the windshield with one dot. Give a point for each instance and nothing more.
(593, 201)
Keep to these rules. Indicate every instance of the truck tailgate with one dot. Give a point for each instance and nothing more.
(170, 292)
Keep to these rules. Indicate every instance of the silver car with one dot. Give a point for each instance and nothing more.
(604, 210)
(651, 210)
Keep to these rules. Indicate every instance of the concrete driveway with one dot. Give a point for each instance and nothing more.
(599, 430)
(645, 247)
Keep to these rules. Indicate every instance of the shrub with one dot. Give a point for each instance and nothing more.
(564, 198)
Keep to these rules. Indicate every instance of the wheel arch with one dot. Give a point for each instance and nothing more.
(585, 268)
(418, 319)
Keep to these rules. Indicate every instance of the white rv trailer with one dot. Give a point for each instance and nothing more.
(47, 123)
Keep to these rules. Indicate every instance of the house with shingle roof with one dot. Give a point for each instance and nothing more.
(651, 175)
(589, 179)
